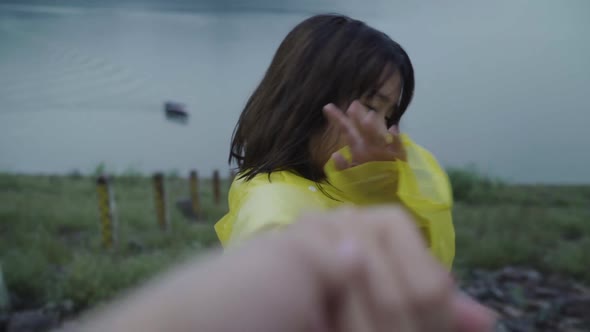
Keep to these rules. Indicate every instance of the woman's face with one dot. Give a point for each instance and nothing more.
(384, 102)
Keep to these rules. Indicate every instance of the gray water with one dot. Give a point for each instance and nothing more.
(503, 85)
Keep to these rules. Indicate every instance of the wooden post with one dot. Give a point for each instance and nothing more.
(106, 208)
(216, 188)
(194, 190)
(4, 297)
(160, 200)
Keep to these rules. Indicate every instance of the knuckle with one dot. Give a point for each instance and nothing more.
(401, 213)
(346, 213)
(390, 303)
(435, 292)
(368, 122)
(396, 212)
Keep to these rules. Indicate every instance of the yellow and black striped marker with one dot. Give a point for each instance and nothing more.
(107, 214)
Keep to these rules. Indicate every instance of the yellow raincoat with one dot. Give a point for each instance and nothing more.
(419, 183)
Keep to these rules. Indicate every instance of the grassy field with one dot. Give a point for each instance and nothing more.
(50, 237)
(50, 241)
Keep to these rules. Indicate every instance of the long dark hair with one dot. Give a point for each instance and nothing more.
(324, 59)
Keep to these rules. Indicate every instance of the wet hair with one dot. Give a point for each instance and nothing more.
(324, 59)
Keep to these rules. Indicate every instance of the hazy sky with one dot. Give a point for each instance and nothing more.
(501, 84)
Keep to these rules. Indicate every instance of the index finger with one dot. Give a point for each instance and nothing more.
(337, 117)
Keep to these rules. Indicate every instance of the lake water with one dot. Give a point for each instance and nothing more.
(504, 85)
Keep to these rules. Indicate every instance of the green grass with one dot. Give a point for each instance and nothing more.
(550, 238)
(545, 227)
(50, 241)
(50, 237)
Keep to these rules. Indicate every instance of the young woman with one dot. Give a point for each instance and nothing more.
(322, 130)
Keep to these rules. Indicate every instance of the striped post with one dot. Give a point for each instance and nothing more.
(194, 190)
(160, 201)
(216, 188)
(106, 208)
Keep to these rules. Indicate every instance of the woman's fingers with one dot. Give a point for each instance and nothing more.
(408, 290)
(394, 283)
(374, 144)
(424, 287)
(341, 121)
(361, 125)
(340, 162)
(357, 112)
(374, 130)
(387, 299)
(372, 301)
(368, 123)
(366, 134)
(356, 310)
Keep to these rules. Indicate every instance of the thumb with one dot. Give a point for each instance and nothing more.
(341, 265)
(335, 259)
(394, 130)
(471, 316)
(397, 145)
(339, 269)
(339, 161)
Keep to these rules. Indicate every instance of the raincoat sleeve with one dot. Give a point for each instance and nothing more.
(419, 183)
(262, 208)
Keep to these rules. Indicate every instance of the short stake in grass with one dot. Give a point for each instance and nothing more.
(194, 190)
(160, 201)
(216, 188)
(106, 208)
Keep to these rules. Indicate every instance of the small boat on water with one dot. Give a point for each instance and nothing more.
(175, 111)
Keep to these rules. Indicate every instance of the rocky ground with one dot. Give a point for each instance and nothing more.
(526, 300)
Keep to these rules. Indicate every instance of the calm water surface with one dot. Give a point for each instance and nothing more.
(502, 85)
